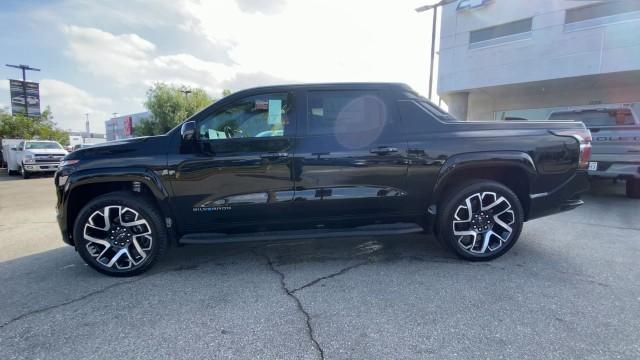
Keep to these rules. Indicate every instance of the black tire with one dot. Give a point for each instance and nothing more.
(454, 203)
(633, 188)
(144, 209)
(25, 174)
(11, 172)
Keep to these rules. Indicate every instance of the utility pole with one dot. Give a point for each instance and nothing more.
(186, 92)
(433, 7)
(87, 127)
(24, 69)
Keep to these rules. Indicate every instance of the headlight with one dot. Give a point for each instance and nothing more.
(28, 159)
(68, 162)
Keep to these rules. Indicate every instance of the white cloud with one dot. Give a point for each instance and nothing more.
(310, 41)
(262, 6)
(323, 40)
(128, 59)
(257, 42)
(69, 105)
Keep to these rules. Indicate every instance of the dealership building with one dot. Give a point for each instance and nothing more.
(523, 59)
(121, 127)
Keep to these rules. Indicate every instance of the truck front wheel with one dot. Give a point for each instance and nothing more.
(25, 174)
(120, 234)
(480, 220)
(633, 188)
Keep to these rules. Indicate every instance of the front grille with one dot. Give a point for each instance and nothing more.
(45, 158)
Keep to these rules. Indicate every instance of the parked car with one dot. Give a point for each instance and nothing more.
(35, 156)
(314, 161)
(616, 141)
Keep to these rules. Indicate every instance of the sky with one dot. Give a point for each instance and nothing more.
(100, 57)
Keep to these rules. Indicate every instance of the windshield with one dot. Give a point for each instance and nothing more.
(42, 145)
(595, 118)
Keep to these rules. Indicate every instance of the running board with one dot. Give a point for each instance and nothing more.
(369, 230)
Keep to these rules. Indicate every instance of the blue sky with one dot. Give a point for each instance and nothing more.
(100, 57)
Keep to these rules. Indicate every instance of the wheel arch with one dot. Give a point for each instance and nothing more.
(82, 187)
(514, 169)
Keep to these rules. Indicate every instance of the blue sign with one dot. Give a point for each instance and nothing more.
(472, 4)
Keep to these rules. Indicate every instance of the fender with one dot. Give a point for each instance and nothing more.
(465, 161)
(143, 175)
(102, 175)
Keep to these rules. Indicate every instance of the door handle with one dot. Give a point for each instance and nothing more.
(384, 150)
(274, 155)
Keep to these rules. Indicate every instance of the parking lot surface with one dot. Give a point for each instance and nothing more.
(569, 289)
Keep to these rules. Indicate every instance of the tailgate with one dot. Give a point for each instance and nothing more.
(616, 143)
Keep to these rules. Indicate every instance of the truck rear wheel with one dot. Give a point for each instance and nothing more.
(480, 220)
(120, 234)
(633, 188)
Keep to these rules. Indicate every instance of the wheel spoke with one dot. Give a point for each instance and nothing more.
(118, 237)
(136, 244)
(483, 223)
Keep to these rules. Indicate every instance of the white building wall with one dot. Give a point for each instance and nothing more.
(535, 65)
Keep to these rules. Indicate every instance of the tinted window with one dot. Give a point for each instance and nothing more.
(594, 118)
(610, 8)
(256, 116)
(344, 112)
(512, 28)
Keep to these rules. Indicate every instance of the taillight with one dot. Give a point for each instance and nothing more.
(584, 139)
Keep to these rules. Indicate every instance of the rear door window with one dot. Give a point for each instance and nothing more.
(348, 111)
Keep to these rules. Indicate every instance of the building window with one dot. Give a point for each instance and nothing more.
(601, 14)
(513, 31)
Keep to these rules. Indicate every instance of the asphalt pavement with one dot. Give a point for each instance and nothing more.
(569, 289)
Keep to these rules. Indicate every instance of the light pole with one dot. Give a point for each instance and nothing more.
(186, 92)
(433, 7)
(24, 69)
(86, 124)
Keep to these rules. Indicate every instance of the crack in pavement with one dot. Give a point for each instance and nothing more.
(338, 273)
(104, 289)
(289, 293)
(51, 307)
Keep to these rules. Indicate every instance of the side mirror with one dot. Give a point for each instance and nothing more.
(188, 131)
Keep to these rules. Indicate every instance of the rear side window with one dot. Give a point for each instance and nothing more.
(339, 112)
(595, 118)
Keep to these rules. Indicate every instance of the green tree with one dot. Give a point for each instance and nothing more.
(22, 127)
(170, 105)
(226, 92)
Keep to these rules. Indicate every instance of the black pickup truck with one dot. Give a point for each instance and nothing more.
(314, 161)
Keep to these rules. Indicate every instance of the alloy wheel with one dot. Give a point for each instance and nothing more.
(483, 223)
(118, 237)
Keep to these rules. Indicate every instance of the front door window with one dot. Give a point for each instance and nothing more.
(252, 117)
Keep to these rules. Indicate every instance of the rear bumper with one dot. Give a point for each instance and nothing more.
(617, 170)
(563, 198)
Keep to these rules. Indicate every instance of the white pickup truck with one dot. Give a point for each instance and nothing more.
(34, 156)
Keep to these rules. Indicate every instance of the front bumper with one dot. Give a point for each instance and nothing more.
(36, 167)
(563, 198)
